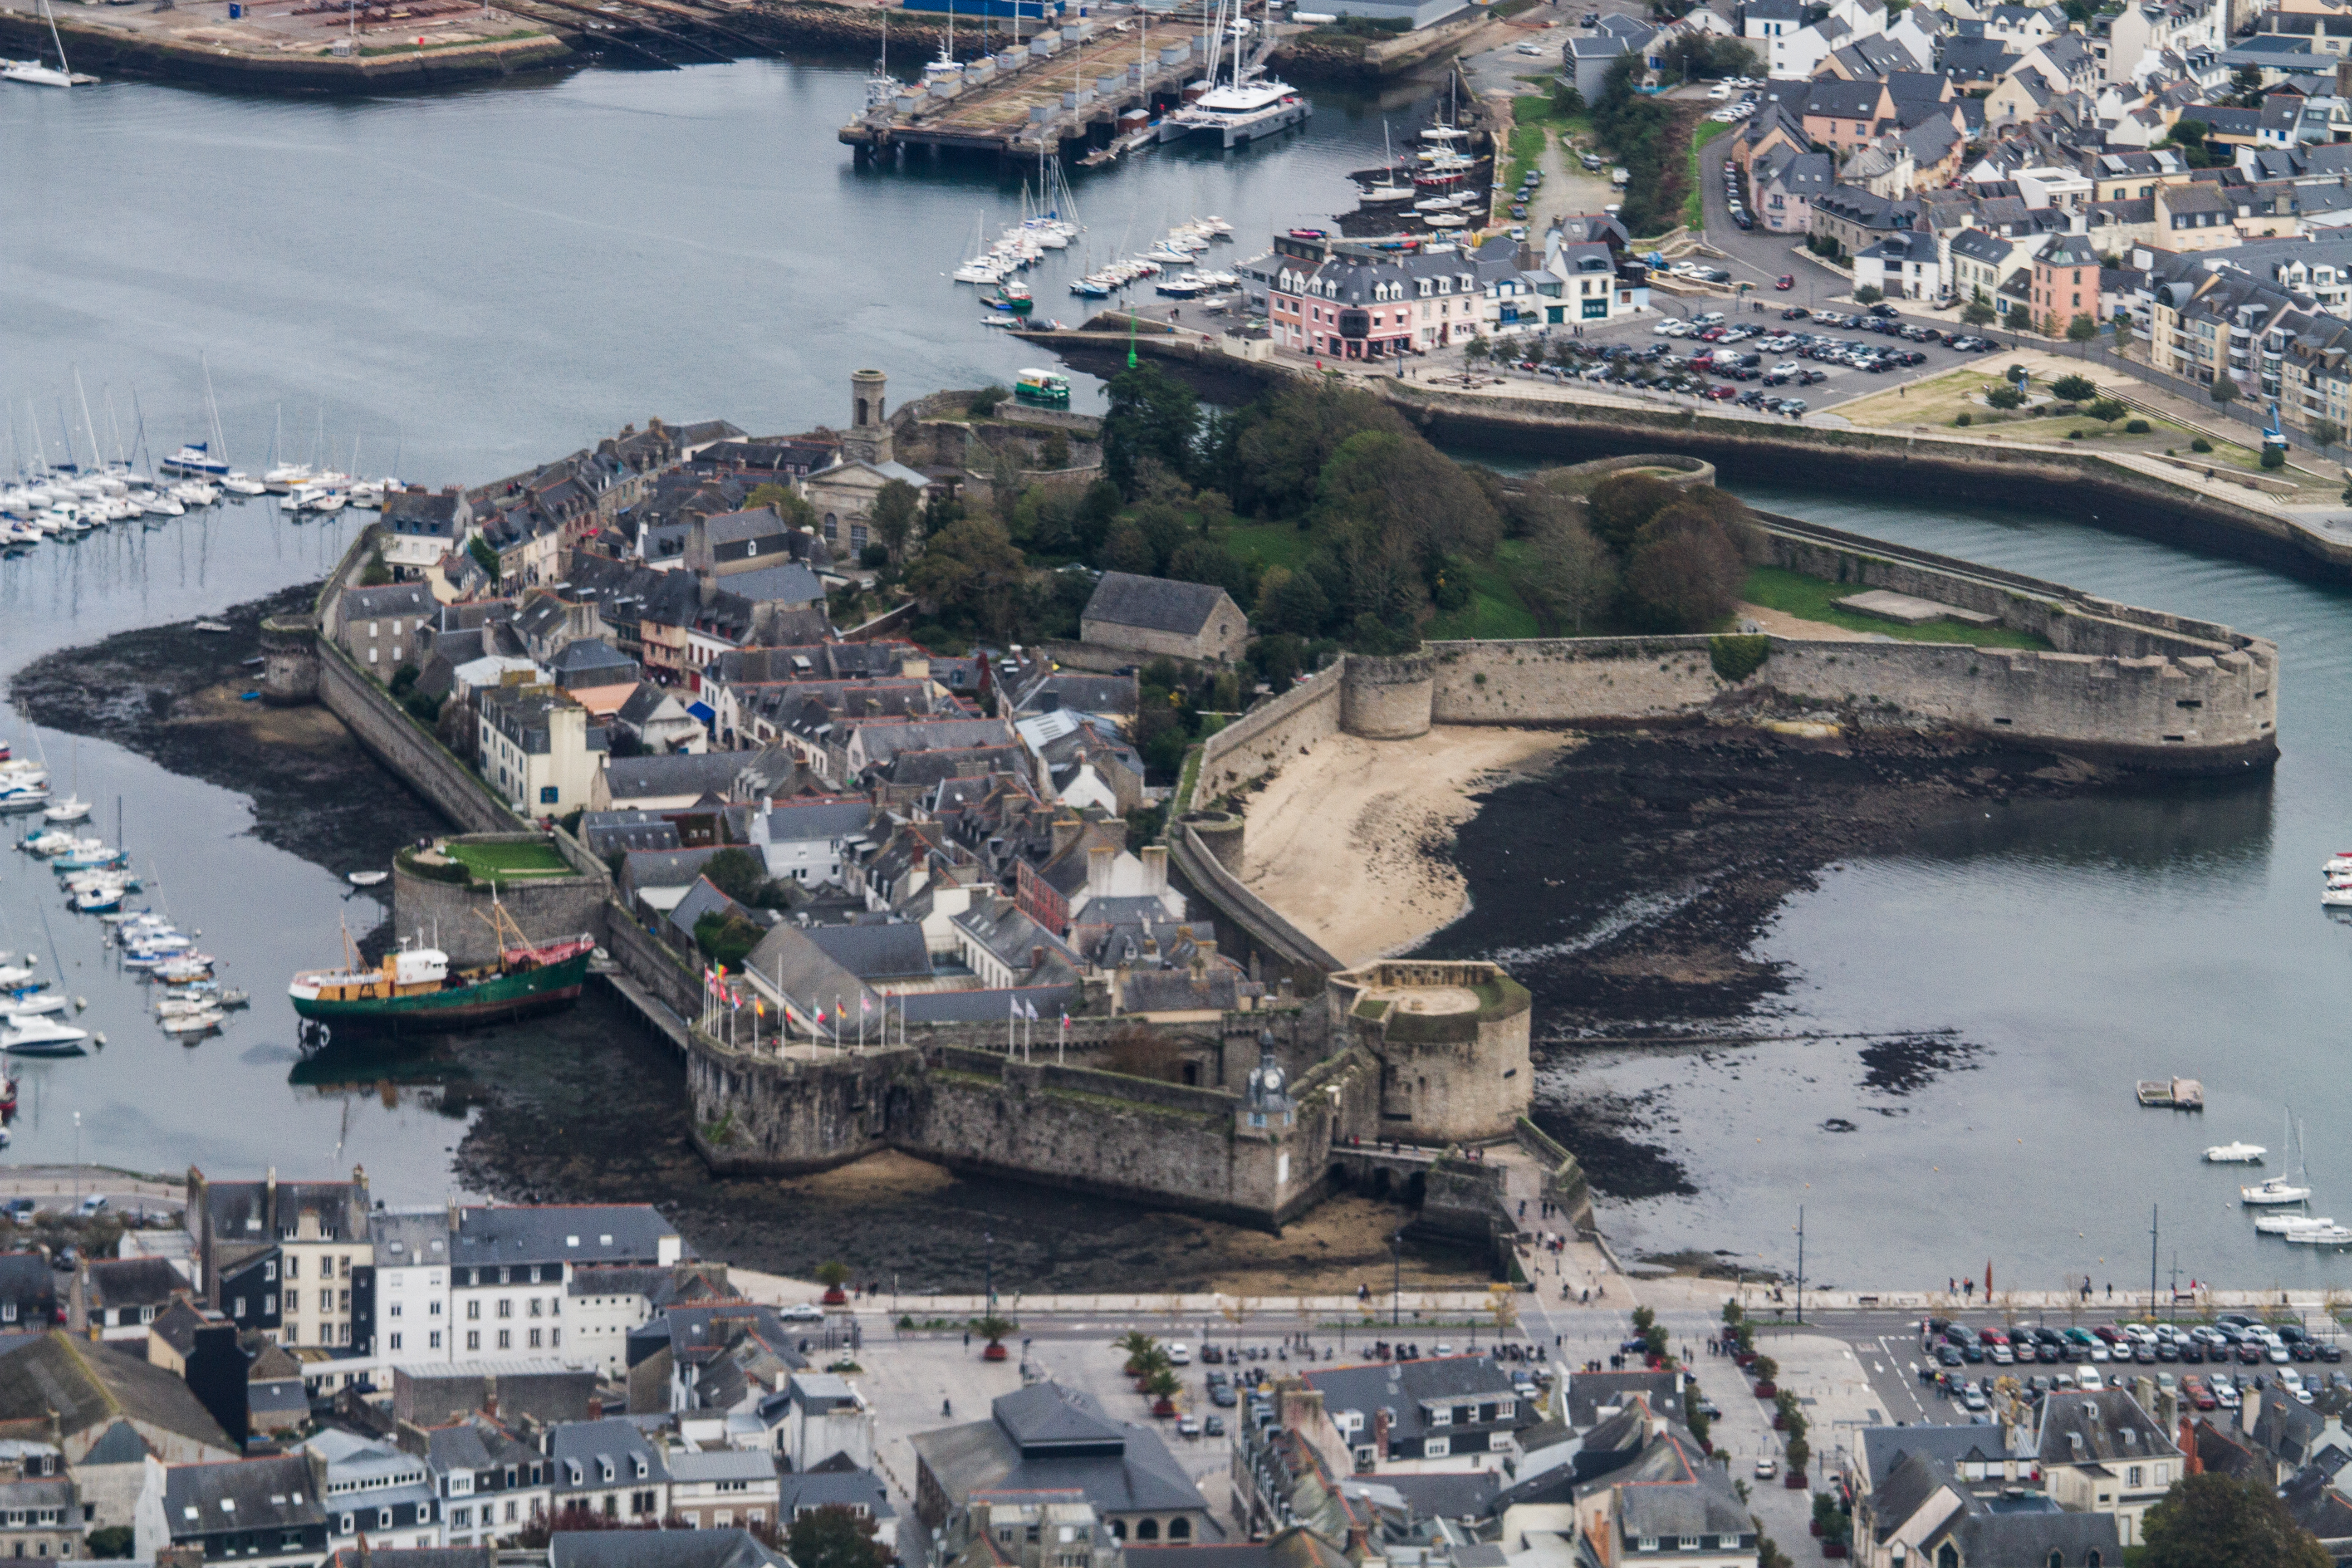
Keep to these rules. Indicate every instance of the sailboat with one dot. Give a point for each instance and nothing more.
(984, 266)
(73, 808)
(33, 73)
(2286, 1189)
(1389, 188)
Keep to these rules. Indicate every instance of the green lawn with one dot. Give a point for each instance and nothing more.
(1496, 609)
(1709, 130)
(1267, 543)
(1815, 599)
(503, 860)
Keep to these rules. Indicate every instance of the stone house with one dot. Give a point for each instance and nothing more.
(280, 1255)
(1785, 182)
(717, 1488)
(2100, 1453)
(420, 527)
(1151, 616)
(267, 1512)
(41, 1513)
(120, 1298)
(380, 627)
(609, 1468)
(539, 749)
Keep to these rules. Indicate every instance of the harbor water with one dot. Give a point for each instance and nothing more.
(468, 283)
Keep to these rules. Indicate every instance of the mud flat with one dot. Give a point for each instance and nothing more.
(175, 695)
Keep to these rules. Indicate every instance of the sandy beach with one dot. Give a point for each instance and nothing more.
(1346, 842)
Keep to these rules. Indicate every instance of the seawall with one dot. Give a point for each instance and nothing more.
(113, 51)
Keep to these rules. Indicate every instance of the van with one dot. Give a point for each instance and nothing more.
(1712, 318)
(1621, 177)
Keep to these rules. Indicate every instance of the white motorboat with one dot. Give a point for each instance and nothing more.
(2235, 1155)
(2338, 865)
(2337, 891)
(2275, 1190)
(69, 809)
(195, 492)
(195, 458)
(2325, 1236)
(2288, 1224)
(42, 1038)
(32, 1004)
(12, 975)
(333, 500)
(211, 1018)
(242, 484)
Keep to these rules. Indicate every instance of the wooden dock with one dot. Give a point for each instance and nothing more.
(1062, 90)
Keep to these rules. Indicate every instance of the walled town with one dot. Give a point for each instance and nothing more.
(1009, 908)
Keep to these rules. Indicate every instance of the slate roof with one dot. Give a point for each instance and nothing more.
(793, 823)
(241, 1495)
(834, 1489)
(92, 1385)
(617, 832)
(1589, 1392)
(561, 1233)
(1673, 1490)
(1401, 1386)
(2096, 1425)
(720, 773)
(116, 1282)
(401, 599)
(786, 583)
(1152, 603)
(721, 1465)
(589, 1444)
(893, 952)
(1029, 1445)
(660, 1548)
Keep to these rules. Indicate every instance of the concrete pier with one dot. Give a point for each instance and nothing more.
(1052, 93)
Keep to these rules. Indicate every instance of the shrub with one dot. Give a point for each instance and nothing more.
(2073, 434)
(2107, 410)
(2200, 445)
(1965, 419)
(983, 402)
(2074, 388)
(2136, 427)
(2273, 457)
(2005, 397)
(1735, 658)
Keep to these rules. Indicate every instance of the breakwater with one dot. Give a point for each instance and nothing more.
(110, 49)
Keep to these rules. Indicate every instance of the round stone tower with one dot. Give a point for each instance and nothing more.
(289, 660)
(1452, 1038)
(1387, 699)
(1221, 834)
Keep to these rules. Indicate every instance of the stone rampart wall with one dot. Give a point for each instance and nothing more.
(1569, 680)
(1269, 735)
(397, 741)
(456, 917)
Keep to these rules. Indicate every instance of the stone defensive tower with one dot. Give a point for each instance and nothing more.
(289, 661)
(1452, 1041)
(868, 438)
(1387, 699)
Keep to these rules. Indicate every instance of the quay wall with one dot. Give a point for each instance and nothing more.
(395, 739)
(1275, 731)
(109, 51)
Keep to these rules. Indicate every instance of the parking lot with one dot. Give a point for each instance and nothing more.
(1789, 361)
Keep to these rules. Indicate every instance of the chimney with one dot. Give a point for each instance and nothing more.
(1155, 870)
(270, 1201)
(1380, 1434)
(1066, 831)
(2188, 1447)
(1037, 956)
(1099, 860)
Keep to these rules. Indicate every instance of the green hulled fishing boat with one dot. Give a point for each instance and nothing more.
(416, 991)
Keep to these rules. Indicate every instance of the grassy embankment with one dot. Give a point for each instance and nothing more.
(508, 862)
(1709, 130)
(1941, 400)
(1815, 599)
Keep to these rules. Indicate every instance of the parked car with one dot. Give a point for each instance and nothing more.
(1188, 1428)
(1215, 1427)
(1766, 1467)
(801, 1312)
(1719, 393)
(1180, 1354)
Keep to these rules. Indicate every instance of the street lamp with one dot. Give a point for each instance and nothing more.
(1396, 1287)
(77, 1161)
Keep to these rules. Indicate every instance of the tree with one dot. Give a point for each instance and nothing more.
(727, 938)
(2004, 396)
(2107, 410)
(833, 1275)
(1570, 574)
(111, 1541)
(1685, 570)
(571, 1519)
(2223, 391)
(1869, 294)
(2325, 433)
(983, 402)
(2123, 333)
(836, 1536)
(789, 505)
(993, 1329)
(2074, 388)
(1127, 549)
(2214, 1520)
(1620, 505)
(894, 509)
(970, 571)
(1978, 311)
(1291, 602)
(485, 556)
(1138, 1345)
(1151, 414)
(1478, 349)
(742, 876)
(1164, 1388)
(2083, 328)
